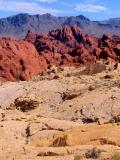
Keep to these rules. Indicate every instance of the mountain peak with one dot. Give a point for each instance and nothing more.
(48, 15)
(83, 17)
(18, 25)
(19, 15)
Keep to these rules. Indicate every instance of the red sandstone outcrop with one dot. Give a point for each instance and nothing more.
(19, 60)
(72, 47)
(22, 59)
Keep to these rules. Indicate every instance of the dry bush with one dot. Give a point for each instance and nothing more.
(25, 104)
(116, 156)
(93, 69)
(60, 141)
(78, 157)
(41, 154)
(93, 153)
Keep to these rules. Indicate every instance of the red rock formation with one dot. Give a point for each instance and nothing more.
(19, 60)
(75, 48)
(22, 59)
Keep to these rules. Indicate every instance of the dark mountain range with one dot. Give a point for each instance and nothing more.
(17, 26)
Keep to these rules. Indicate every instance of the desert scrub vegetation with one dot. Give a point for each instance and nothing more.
(25, 104)
(116, 156)
(78, 157)
(60, 141)
(93, 153)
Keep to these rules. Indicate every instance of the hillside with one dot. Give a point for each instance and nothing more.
(59, 90)
(18, 25)
(23, 59)
(61, 118)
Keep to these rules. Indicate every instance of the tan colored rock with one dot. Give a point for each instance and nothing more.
(51, 105)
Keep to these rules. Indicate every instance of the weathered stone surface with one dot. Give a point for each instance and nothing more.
(48, 118)
(23, 59)
(19, 60)
(69, 46)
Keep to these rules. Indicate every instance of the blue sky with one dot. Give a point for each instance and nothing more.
(93, 9)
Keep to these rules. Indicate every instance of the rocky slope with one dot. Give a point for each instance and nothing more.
(23, 59)
(17, 26)
(71, 116)
(19, 60)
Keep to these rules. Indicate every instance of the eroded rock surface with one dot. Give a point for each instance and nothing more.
(23, 59)
(73, 115)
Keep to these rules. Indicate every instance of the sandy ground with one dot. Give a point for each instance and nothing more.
(56, 117)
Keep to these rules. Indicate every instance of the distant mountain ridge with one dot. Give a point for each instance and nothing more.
(18, 25)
